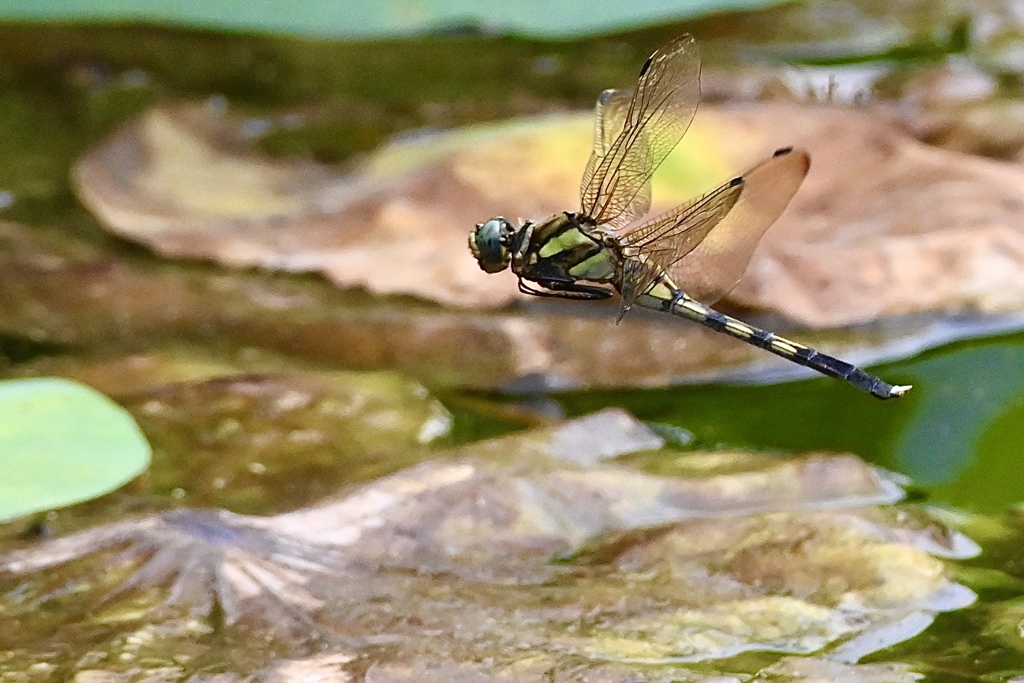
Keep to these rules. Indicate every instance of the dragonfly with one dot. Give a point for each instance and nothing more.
(681, 261)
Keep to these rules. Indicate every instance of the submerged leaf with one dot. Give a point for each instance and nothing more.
(446, 567)
(255, 434)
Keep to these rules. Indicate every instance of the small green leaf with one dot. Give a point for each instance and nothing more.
(62, 443)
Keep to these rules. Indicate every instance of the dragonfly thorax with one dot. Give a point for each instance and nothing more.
(491, 244)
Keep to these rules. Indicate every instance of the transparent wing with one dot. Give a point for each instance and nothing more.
(632, 138)
(655, 245)
(609, 116)
(706, 245)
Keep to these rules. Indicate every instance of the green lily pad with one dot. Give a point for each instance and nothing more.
(62, 443)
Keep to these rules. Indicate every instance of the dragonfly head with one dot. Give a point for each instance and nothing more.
(491, 244)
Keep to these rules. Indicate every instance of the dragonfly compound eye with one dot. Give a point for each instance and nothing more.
(490, 244)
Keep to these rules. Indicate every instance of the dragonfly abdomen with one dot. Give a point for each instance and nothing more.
(677, 302)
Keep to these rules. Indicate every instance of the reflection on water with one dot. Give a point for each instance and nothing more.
(965, 441)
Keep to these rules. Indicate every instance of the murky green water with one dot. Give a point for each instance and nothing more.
(957, 436)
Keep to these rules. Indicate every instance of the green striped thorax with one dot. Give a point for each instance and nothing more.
(491, 244)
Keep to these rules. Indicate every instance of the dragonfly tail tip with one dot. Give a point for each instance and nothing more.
(900, 389)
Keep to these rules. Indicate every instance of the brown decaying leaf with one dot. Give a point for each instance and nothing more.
(883, 225)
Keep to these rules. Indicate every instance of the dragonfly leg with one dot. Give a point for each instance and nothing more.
(565, 289)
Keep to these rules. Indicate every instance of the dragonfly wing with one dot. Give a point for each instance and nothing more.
(705, 246)
(651, 248)
(715, 265)
(633, 137)
(609, 115)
